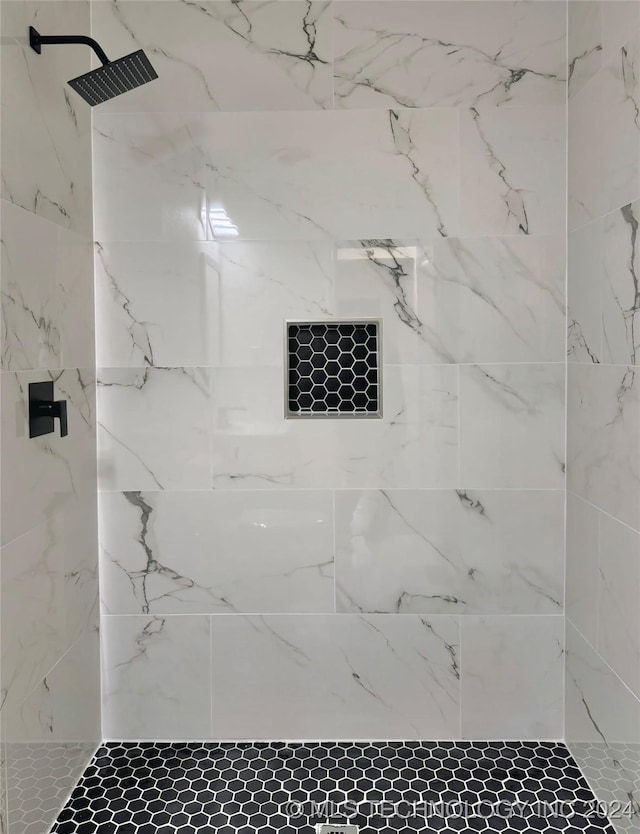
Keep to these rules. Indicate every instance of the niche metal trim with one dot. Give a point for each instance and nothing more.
(372, 327)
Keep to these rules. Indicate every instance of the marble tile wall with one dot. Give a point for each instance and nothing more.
(264, 578)
(603, 402)
(49, 607)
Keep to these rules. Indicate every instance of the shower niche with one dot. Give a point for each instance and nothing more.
(333, 368)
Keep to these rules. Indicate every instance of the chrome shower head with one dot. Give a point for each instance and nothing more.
(108, 81)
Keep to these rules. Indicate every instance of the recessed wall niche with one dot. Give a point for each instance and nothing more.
(333, 368)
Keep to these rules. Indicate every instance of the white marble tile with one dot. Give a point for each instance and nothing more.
(489, 300)
(512, 171)
(436, 552)
(599, 707)
(253, 551)
(584, 48)
(619, 600)
(620, 276)
(194, 303)
(603, 446)
(80, 543)
(65, 705)
(223, 56)
(584, 270)
(619, 19)
(154, 428)
(31, 325)
(77, 302)
(512, 677)
(415, 444)
(415, 55)
(34, 627)
(583, 523)
(148, 177)
(604, 139)
(512, 426)
(335, 676)
(46, 128)
(44, 474)
(157, 677)
(344, 175)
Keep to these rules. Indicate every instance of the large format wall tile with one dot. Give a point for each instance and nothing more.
(44, 474)
(345, 175)
(224, 56)
(423, 55)
(154, 428)
(619, 600)
(337, 676)
(604, 440)
(149, 173)
(599, 707)
(489, 300)
(206, 303)
(432, 552)
(621, 295)
(209, 552)
(583, 531)
(512, 677)
(604, 140)
(415, 444)
(46, 128)
(584, 286)
(512, 171)
(157, 677)
(512, 426)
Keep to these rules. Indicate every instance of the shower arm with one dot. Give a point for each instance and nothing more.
(36, 40)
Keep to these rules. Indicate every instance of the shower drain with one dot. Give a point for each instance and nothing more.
(329, 828)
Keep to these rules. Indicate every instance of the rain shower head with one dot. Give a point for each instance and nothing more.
(108, 81)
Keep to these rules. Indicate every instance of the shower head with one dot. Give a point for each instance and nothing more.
(108, 81)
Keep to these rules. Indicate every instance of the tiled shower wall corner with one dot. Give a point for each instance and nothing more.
(603, 508)
(393, 578)
(50, 675)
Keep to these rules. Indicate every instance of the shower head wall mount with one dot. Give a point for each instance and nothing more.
(108, 81)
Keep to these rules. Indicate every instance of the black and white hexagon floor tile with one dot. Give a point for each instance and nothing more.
(164, 788)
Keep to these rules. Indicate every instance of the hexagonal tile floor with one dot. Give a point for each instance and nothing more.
(153, 788)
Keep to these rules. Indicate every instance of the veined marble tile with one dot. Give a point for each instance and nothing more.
(154, 428)
(34, 627)
(46, 128)
(343, 175)
(599, 707)
(620, 277)
(604, 439)
(44, 474)
(584, 35)
(409, 54)
(148, 177)
(193, 303)
(619, 18)
(157, 677)
(223, 56)
(512, 171)
(604, 139)
(619, 600)
(65, 705)
(335, 676)
(583, 531)
(455, 551)
(512, 426)
(457, 300)
(217, 552)
(77, 303)
(415, 444)
(512, 677)
(80, 542)
(584, 341)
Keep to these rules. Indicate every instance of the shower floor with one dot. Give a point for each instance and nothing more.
(165, 788)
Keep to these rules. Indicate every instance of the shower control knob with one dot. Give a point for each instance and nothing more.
(44, 410)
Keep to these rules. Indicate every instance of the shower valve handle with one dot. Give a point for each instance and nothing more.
(57, 410)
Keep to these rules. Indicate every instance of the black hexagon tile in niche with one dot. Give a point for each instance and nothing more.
(202, 788)
(333, 369)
